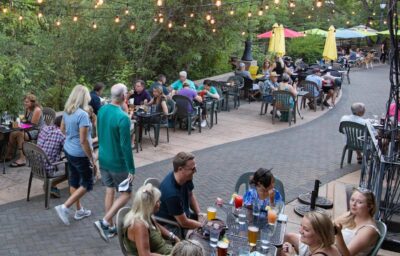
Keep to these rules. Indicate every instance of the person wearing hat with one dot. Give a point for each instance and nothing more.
(178, 84)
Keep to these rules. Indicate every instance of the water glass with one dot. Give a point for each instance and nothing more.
(264, 237)
(256, 208)
(242, 216)
(214, 237)
(244, 251)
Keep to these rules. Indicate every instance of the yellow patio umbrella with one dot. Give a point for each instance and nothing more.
(330, 51)
(271, 46)
(280, 48)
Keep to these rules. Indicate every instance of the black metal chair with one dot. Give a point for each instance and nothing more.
(120, 230)
(38, 161)
(353, 132)
(236, 83)
(183, 104)
(284, 102)
(312, 95)
(49, 115)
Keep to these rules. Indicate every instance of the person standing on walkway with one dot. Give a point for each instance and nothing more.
(115, 157)
(79, 152)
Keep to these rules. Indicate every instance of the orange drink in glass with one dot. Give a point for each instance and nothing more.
(272, 216)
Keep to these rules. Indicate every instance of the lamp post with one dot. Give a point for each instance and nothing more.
(382, 5)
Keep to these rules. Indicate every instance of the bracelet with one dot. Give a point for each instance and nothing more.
(171, 236)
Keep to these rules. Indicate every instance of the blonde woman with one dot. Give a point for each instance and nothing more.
(144, 236)
(188, 248)
(357, 232)
(79, 152)
(159, 100)
(33, 115)
(317, 237)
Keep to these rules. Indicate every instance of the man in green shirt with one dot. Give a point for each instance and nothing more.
(115, 157)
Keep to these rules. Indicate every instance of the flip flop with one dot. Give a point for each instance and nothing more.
(15, 164)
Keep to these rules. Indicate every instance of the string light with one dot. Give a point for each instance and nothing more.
(214, 30)
(126, 11)
(384, 22)
(20, 18)
(232, 12)
(218, 3)
(184, 25)
(243, 33)
(100, 2)
(249, 14)
(353, 12)
(94, 25)
(161, 20)
(132, 27)
(75, 18)
(58, 23)
(117, 19)
(260, 12)
(212, 21)
(276, 1)
(40, 15)
(333, 11)
(266, 7)
(159, 2)
(373, 14)
(319, 3)
(309, 16)
(208, 17)
(347, 22)
(170, 24)
(292, 13)
(5, 10)
(39, 1)
(191, 15)
(292, 4)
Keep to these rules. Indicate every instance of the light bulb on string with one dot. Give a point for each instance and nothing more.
(249, 14)
(260, 12)
(99, 2)
(309, 16)
(161, 19)
(292, 4)
(292, 13)
(126, 11)
(191, 15)
(373, 14)
(214, 30)
(218, 3)
(333, 11)
(39, 1)
(276, 1)
(243, 33)
(385, 22)
(132, 27)
(159, 3)
(58, 23)
(208, 17)
(212, 21)
(5, 10)
(94, 25)
(347, 22)
(155, 19)
(20, 18)
(353, 12)
(40, 15)
(75, 18)
(184, 25)
(266, 7)
(319, 3)
(232, 12)
(170, 24)
(117, 19)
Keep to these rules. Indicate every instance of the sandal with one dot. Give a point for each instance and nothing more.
(15, 164)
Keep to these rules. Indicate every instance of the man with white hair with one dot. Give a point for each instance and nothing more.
(115, 157)
(178, 84)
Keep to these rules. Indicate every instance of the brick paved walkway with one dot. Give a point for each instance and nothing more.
(298, 156)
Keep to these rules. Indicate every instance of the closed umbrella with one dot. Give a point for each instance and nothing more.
(280, 48)
(271, 46)
(330, 51)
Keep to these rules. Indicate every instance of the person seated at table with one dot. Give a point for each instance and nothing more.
(356, 229)
(34, 116)
(279, 67)
(208, 90)
(194, 97)
(140, 95)
(243, 72)
(178, 201)
(188, 248)
(333, 82)
(161, 81)
(357, 113)
(178, 84)
(317, 237)
(51, 141)
(266, 68)
(316, 78)
(286, 86)
(262, 186)
(159, 100)
(143, 235)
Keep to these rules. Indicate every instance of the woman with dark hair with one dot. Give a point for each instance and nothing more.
(357, 232)
(262, 186)
(33, 115)
(159, 100)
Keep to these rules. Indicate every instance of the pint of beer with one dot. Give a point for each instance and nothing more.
(252, 235)
(222, 248)
(211, 213)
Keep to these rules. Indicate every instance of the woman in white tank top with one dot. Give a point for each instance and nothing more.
(356, 230)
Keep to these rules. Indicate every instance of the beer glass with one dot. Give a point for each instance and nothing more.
(252, 233)
(222, 248)
(211, 213)
(242, 216)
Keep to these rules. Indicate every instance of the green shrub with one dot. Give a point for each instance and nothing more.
(309, 48)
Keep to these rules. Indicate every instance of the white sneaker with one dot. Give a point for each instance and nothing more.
(82, 213)
(62, 214)
(203, 123)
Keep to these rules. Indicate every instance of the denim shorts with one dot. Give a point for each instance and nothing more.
(113, 179)
(80, 172)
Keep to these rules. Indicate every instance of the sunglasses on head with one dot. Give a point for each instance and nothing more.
(363, 190)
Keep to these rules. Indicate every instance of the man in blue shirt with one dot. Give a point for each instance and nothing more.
(178, 84)
(178, 202)
(140, 95)
(95, 101)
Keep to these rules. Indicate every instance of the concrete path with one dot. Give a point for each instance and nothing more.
(298, 155)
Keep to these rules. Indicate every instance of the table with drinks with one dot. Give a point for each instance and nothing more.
(253, 231)
(145, 115)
